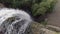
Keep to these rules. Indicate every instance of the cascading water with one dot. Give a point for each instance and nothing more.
(13, 21)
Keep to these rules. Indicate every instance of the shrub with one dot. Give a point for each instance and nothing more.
(43, 7)
(18, 3)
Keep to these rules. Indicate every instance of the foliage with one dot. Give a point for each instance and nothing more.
(42, 7)
(19, 3)
(16, 3)
(36, 7)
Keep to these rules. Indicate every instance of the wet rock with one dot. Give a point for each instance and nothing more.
(37, 28)
(1, 5)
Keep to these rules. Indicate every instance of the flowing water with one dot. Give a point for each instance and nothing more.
(13, 21)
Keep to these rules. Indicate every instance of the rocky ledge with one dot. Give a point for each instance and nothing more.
(37, 28)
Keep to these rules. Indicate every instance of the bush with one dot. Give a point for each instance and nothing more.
(43, 7)
(19, 3)
(16, 3)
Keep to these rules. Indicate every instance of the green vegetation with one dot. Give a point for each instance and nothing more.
(20, 3)
(44, 23)
(36, 7)
(43, 7)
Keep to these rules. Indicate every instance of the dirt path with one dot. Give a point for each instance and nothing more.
(54, 18)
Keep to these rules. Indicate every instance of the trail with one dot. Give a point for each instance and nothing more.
(54, 18)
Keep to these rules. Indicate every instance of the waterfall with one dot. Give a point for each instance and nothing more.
(13, 21)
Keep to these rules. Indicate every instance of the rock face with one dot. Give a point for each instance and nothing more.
(1, 5)
(54, 18)
(37, 28)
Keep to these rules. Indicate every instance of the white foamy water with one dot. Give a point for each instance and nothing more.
(13, 21)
